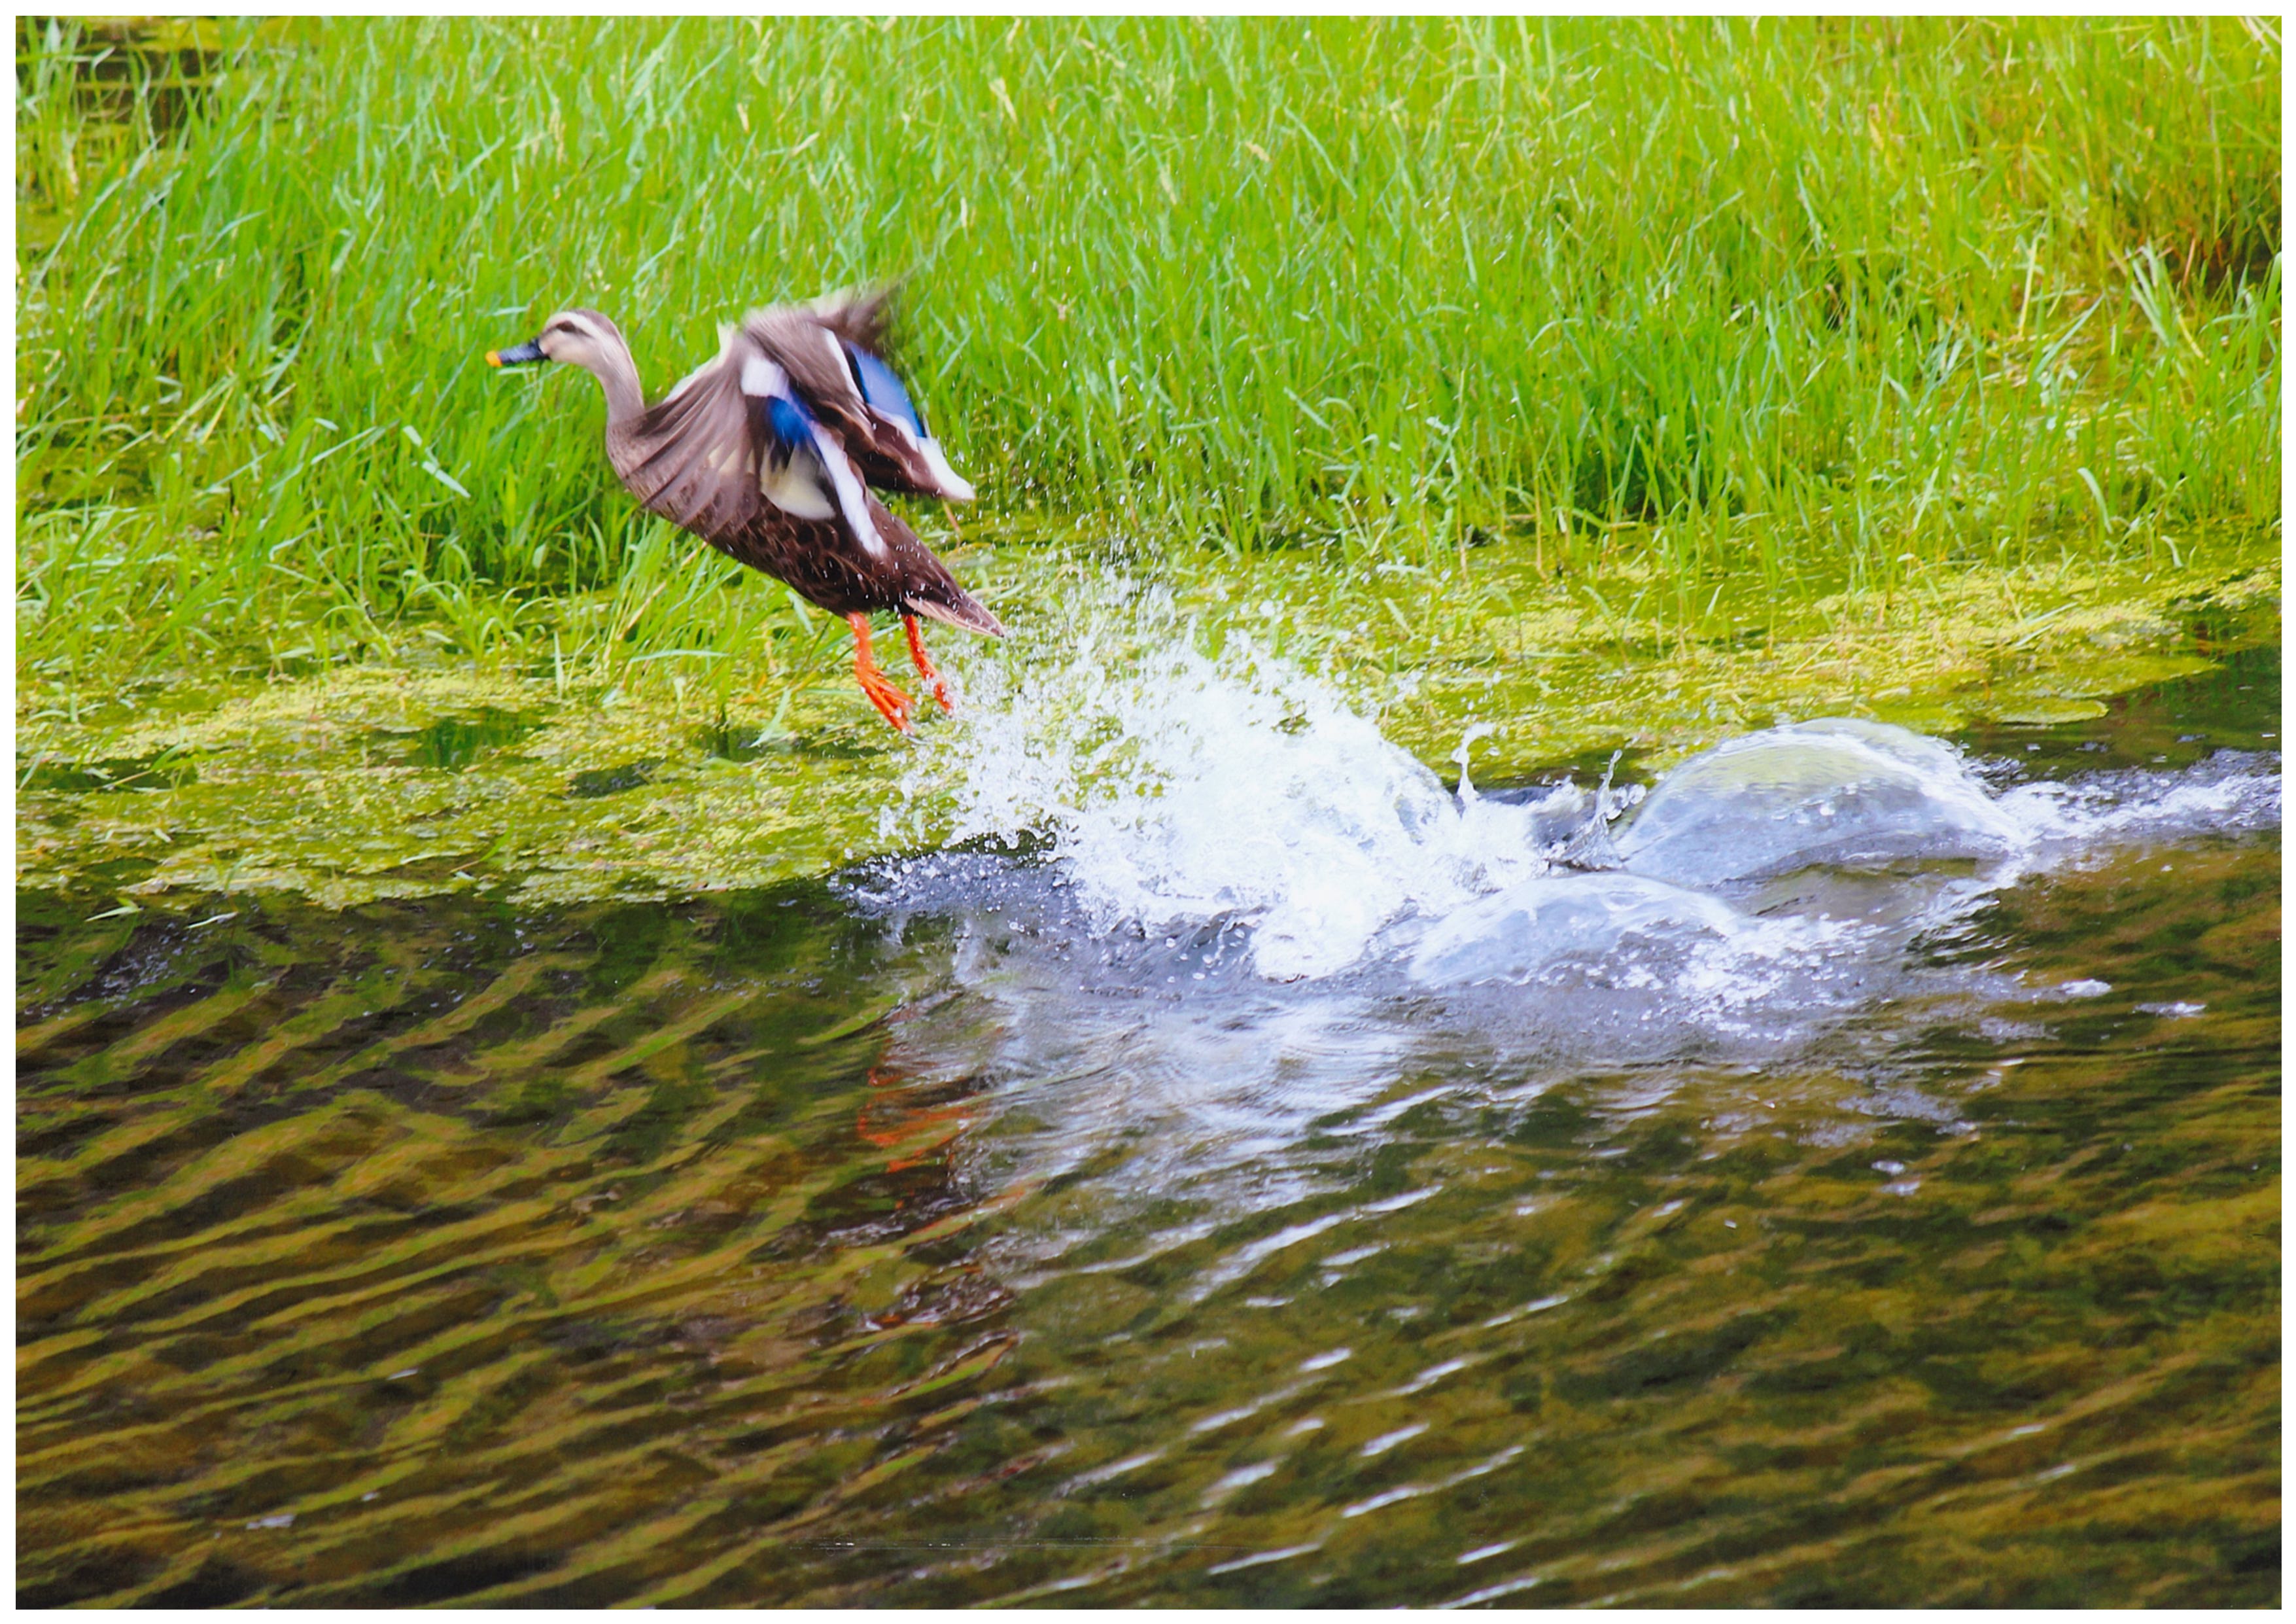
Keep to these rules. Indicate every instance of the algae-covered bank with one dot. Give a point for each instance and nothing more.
(431, 774)
(1608, 934)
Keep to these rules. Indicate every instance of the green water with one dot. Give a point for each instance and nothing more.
(802, 1247)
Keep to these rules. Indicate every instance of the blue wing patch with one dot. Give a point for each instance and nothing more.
(881, 389)
(791, 424)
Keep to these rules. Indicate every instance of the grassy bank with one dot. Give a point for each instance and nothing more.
(1818, 303)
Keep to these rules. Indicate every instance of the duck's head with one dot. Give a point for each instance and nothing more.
(583, 338)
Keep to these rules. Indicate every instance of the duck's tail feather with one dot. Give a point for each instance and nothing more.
(927, 588)
(953, 605)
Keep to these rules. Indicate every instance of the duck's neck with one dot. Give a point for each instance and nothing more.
(618, 375)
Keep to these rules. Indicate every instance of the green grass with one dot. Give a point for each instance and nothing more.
(1801, 306)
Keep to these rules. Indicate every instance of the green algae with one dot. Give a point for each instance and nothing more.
(428, 776)
(1561, 668)
(294, 795)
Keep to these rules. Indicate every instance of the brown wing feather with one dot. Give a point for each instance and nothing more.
(692, 458)
(790, 336)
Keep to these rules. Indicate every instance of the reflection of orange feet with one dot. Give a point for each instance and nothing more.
(925, 666)
(905, 1119)
(892, 703)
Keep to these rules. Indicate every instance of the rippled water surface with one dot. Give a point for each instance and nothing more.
(1234, 1169)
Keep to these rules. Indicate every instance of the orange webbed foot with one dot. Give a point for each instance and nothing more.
(892, 703)
(932, 680)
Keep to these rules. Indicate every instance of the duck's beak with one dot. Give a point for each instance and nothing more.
(521, 355)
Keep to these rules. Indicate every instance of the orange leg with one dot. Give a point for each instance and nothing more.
(892, 703)
(925, 666)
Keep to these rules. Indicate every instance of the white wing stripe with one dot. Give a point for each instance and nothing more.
(849, 497)
(761, 377)
(957, 488)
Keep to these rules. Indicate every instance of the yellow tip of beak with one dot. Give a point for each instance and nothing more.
(494, 357)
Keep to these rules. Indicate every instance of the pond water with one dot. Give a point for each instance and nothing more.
(1233, 1167)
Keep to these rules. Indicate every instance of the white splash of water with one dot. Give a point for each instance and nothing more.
(1177, 787)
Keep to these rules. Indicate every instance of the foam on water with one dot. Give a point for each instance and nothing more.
(1513, 936)
(2232, 793)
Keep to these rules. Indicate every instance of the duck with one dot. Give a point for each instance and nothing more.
(773, 453)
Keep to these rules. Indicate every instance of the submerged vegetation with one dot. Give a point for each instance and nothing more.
(1681, 334)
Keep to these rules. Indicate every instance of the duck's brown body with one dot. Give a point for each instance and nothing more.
(766, 453)
(819, 559)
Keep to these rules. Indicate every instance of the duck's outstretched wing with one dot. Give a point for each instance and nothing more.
(735, 435)
(833, 353)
